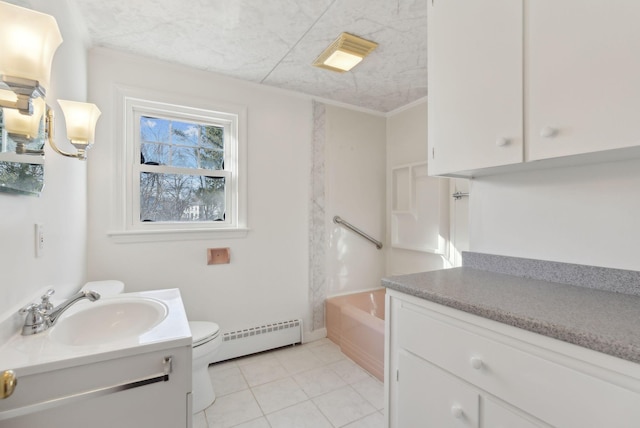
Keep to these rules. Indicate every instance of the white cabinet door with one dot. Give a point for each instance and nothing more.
(475, 84)
(495, 415)
(582, 76)
(431, 398)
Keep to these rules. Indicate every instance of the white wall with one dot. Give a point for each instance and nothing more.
(267, 279)
(62, 206)
(354, 190)
(585, 215)
(406, 144)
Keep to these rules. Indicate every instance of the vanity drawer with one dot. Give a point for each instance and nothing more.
(559, 395)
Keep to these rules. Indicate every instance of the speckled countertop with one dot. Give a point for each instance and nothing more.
(604, 321)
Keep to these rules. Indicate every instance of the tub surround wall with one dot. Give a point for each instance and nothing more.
(61, 207)
(355, 151)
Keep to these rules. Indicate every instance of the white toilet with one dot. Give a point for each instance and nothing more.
(206, 341)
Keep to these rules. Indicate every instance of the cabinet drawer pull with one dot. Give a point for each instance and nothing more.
(457, 412)
(476, 363)
(548, 132)
(502, 141)
(9, 382)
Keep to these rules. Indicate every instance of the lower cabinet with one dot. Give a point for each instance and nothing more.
(450, 404)
(143, 390)
(450, 369)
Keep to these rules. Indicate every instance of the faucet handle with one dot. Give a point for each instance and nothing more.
(46, 305)
(35, 321)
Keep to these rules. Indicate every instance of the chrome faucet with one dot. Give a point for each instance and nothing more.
(42, 316)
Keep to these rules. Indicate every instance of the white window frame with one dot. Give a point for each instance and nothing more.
(134, 104)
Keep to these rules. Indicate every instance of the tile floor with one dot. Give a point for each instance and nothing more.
(305, 386)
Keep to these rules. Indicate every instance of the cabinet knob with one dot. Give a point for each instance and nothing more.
(457, 412)
(476, 363)
(548, 132)
(8, 384)
(502, 141)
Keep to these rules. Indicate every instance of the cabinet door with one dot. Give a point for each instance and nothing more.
(582, 74)
(475, 84)
(495, 415)
(429, 397)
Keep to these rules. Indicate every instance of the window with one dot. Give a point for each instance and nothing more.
(184, 175)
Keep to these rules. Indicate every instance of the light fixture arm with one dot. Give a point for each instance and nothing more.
(81, 154)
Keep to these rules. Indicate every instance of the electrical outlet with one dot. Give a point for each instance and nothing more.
(39, 239)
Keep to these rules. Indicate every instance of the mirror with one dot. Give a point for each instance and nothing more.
(21, 158)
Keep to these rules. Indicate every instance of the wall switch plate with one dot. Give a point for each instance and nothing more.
(218, 256)
(39, 235)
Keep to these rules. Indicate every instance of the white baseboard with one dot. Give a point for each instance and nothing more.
(310, 336)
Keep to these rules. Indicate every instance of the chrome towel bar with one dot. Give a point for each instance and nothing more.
(338, 220)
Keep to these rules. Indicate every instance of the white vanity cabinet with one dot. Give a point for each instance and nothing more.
(513, 81)
(145, 390)
(447, 368)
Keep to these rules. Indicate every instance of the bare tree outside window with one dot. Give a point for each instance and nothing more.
(188, 190)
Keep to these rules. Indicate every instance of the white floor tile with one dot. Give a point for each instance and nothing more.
(277, 395)
(256, 423)
(319, 381)
(298, 359)
(233, 409)
(372, 390)
(199, 421)
(343, 406)
(349, 371)
(328, 353)
(227, 381)
(263, 371)
(223, 365)
(318, 342)
(250, 359)
(375, 420)
(303, 415)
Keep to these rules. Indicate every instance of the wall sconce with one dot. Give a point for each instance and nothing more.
(28, 41)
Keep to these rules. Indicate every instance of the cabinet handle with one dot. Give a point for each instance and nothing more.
(502, 141)
(9, 382)
(457, 412)
(548, 132)
(476, 363)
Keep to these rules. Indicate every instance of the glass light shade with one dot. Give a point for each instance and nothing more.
(343, 60)
(28, 41)
(81, 119)
(22, 124)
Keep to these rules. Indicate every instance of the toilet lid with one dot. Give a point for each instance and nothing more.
(203, 331)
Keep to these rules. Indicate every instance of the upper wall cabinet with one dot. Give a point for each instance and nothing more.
(582, 76)
(569, 67)
(475, 84)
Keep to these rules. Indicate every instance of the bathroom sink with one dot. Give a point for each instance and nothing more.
(109, 320)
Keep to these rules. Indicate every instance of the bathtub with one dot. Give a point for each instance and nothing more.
(355, 322)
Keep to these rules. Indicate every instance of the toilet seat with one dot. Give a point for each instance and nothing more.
(203, 332)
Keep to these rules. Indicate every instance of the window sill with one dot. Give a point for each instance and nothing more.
(137, 236)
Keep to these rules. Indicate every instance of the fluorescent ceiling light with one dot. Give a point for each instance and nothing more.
(345, 53)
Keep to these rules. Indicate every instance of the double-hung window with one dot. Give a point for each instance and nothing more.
(183, 172)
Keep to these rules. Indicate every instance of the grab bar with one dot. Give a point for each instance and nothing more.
(349, 226)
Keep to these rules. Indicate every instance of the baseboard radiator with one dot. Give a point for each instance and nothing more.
(257, 339)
